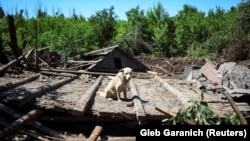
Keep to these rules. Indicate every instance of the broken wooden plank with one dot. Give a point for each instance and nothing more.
(170, 64)
(210, 72)
(95, 133)
(236, 109)
(3, 68)
(12, 85)
(82, 62)
(170, 115)
(139, 110)
(35, 124)
(19, 123)
(56, 74)
(243, 107)
(43, 60)
(241, 91)
(81, 105)
(78, 67)
(28, 53)
(42, 90)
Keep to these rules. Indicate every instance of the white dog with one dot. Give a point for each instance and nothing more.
(118, 84)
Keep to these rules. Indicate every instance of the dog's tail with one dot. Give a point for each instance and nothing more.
(101, 93)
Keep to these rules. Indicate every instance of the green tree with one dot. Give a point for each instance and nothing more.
(103, 24)
(137, 37)
(162, 27)
(2, 14)
(191, 31)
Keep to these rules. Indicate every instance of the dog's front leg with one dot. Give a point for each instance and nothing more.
(118, 95)
(125, 94)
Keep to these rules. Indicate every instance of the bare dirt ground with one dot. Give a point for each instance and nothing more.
(169, 66)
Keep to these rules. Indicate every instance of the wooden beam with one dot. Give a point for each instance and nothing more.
(140, 113)
(43, 89)
(82, 62)
(27, 55)
(95, 133)
(12, 85)
(170, 115)
(3, 68)
(181, 96)
(56, 74)
(35, 124)
(81, 105)
(78, 72)
(19, 123)
(236, 109)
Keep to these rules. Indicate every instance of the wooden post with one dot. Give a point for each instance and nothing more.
(236, 109)
(13, 40)
(81, 105)
(19, 123)
(140, 113)
(95, 133)
(11, 85)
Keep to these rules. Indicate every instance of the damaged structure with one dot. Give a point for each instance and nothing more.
(229, 80)
(49, 100)
(109, 59)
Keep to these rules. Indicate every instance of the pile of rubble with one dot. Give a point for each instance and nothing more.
(238, 75)
(230, 80)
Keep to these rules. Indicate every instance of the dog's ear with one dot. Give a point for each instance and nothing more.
(121, 70)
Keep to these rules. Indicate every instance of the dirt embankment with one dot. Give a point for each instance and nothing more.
(168, 65)
(176, 66)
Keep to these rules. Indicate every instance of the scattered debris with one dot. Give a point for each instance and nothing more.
(40, 88)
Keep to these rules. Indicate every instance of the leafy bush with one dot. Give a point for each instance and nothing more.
(200, 113)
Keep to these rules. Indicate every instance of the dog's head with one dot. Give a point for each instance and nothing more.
(126, 73)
